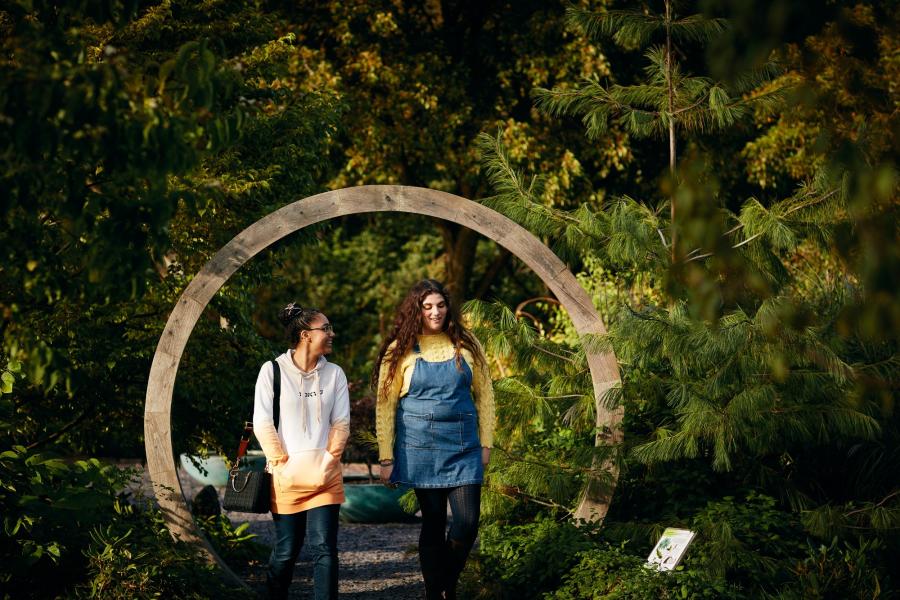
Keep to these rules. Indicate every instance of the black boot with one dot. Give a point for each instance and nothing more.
(430, 558)
(275, 590)
(455, 555)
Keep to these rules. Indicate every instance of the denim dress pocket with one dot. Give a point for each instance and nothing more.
(416, 430)
(470, 439)
(456, 432)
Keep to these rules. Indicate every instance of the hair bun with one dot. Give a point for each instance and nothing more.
(289, 313)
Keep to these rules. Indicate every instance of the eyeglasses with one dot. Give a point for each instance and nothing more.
(327, 328)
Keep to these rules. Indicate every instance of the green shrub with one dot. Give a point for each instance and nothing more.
(68, 532)
(234, 544)
(843, 570)
(523, 561)
(135, 557)
(49, 509)
(749, 541)
(609, 573)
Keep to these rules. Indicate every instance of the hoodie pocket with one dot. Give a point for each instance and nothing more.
(305, 471)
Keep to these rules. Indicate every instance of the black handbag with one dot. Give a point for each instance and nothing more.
(251, 491)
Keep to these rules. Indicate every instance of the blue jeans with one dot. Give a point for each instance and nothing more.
(321, 523)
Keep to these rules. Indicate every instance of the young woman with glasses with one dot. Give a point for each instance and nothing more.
(304, 450)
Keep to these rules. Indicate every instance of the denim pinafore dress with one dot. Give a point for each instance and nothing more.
(436, 443)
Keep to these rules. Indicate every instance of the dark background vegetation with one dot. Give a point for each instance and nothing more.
(756, 330)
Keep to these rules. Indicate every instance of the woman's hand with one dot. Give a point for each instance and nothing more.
(385, 471)
(485, 455)
(276, 462)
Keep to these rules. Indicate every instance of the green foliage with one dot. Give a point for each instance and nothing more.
(527, 560)
(744, 330)
(856, 570)
(209, 135)
(234, 544)
(608, 572)
(749, 541)
(69, 531)
(667, 95)
(135, 557)
(543, 451)
(634, 28)
(746, 547)
(756, 334)
(721, 404)
(49, 507)
(97, 219)
(422, 80)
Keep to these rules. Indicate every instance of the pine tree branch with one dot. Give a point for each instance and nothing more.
(802, 205)
(545, 351)
(698, 28)
(879, 504)
(511, 491)
(812, 202)
(662, 237)
(698, 257)
(747, 241)
(549, 466)
(628, 28)
(689, 108)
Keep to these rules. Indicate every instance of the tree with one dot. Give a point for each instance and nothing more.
(135, 149)
(669, 101)
(748, 363)
(422, 80)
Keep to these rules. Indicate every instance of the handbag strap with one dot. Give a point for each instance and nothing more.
(276, 412)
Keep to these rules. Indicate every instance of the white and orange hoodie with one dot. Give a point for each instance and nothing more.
(304, 454)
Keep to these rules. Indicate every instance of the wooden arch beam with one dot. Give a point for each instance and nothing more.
(350, 201)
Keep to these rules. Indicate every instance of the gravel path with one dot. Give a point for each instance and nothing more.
(377, 561)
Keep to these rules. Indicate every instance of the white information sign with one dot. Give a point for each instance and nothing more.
(670, 548)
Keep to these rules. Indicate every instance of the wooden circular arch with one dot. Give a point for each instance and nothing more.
(337, 203)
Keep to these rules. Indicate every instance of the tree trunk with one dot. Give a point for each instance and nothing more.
(459, 252)
(490, 275)
(671, 94)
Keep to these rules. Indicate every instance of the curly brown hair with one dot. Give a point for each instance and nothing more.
(408, 325)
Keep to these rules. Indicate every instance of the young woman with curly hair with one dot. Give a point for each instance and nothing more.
(435, 426)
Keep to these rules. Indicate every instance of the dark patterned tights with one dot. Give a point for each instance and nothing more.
(443, 555)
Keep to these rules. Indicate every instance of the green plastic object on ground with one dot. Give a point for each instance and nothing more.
(213, 470)
(373, 503)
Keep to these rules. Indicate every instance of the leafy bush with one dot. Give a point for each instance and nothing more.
(527, 560)
(748, 540)
(845, 570)
(234, 544)
(135, 557)
(68, 531)
(562, 561)
(49, 509)
(608, 572)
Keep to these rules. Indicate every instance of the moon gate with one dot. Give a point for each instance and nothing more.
(350, 201)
